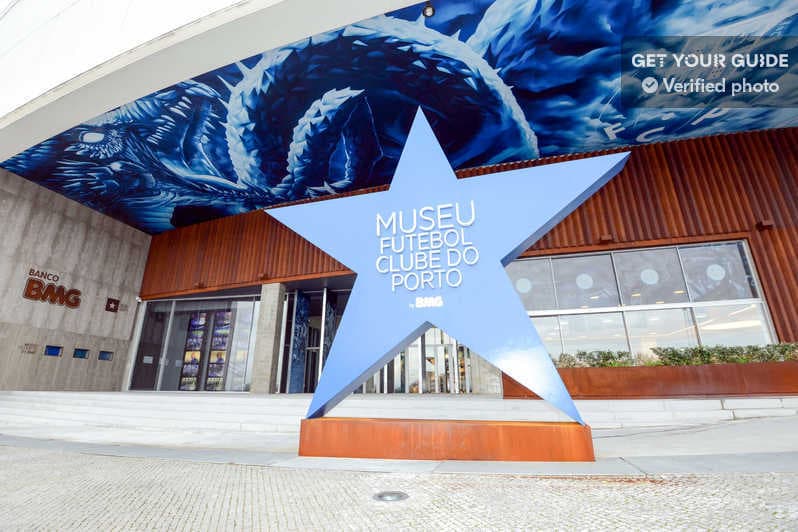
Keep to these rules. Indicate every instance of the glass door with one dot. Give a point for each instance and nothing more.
(197, 345)
(433, 363)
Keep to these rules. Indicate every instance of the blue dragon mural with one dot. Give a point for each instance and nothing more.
(500, 81)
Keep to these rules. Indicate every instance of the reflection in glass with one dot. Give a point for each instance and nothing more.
(398, 373)
(660, 328)
(593, 332)
(436, 361)
(717, 272)
(413, 358)
(532, 281)
(209, 345)
(651, 276)
(464, 369)
(548, 328)
(732, 325)
(432, 355)
(584, 282)
(153, 332)
(370, 384)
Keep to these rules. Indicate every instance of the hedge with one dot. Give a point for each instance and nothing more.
(684, 356)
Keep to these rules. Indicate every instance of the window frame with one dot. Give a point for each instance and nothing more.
(690, 305)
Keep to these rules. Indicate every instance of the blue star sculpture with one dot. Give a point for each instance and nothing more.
(431, 250)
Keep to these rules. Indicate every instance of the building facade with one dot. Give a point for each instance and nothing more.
(690, 245)
(693, 244)
(69, 279)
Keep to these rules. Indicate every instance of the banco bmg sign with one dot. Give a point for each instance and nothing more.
(44, 286)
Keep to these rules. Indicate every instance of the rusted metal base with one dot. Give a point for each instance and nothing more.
(638, 382)
(428, 439)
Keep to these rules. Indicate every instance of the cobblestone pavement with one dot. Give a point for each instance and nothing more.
(44, 489)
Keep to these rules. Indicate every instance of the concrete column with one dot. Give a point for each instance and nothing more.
(267, 340)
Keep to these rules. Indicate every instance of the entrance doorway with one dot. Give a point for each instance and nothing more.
(434, 363)
(196, 345)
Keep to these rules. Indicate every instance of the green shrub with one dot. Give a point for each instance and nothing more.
(672, 356)
(595, 359)
(786, 351)
(568, 361)
(683, 356)
(732, 354)
(605, 359)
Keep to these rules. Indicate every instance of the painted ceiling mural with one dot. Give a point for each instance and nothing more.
(499, 80)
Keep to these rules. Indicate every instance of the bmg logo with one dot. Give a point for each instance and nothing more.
(37, 289)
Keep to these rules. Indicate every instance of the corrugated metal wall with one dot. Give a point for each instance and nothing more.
(731, 186)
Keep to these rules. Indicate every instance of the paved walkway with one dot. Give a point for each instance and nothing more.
(57, 490)
(746, 446)
(740, 475)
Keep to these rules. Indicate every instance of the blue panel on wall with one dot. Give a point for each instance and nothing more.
(500, 80)
(53, 350)
(329, 327)
(299, 343)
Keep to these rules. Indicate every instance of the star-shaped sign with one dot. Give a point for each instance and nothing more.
(431, 250)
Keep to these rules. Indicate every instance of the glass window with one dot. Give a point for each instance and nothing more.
(584, 282)
(207, 347)
(732, 325)
(153, 332)
(548, 328)
(53, 350)
(593, 332)
(533, 282)
(717, 272)
(398, 374)
(660, 328)
(239, 367)
(413, 358)
(650, 276)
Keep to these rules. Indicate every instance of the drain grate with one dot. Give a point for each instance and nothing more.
(390, 496)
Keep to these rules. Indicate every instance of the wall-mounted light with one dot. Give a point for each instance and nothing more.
(428, 10)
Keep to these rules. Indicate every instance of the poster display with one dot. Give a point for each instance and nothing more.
(192, 354)
(220, 342)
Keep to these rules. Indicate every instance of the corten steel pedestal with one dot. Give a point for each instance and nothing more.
(430, 439)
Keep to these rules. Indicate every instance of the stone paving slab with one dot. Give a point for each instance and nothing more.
(601, 467)
(57, 490)
(717, 463)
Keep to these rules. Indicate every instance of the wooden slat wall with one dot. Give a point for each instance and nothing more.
(710, 188)
(242, 250)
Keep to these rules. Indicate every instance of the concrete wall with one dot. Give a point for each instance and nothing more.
(88, 251)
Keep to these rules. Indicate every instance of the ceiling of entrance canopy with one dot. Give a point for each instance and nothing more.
(500, 81)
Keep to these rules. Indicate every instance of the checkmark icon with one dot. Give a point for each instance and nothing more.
(650, 85)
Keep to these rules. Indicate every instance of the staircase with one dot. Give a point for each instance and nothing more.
(281, 414)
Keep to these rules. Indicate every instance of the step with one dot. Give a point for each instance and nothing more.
(242, 412)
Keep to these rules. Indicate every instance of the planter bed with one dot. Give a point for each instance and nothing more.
(635, 382)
